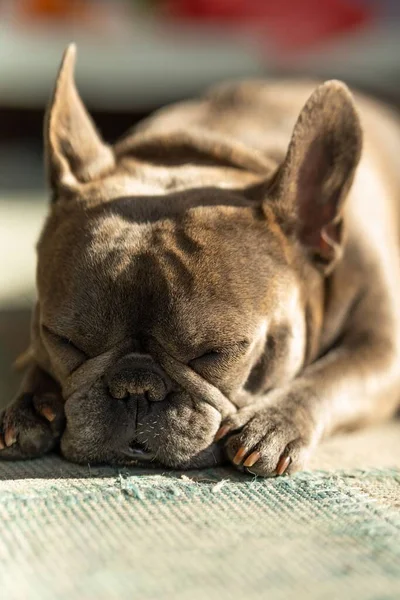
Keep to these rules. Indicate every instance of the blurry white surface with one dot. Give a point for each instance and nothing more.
(137, 70)
(20, 224)
(367, 57)
(149, 64)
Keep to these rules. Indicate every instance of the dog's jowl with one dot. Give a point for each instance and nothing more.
(221, 284)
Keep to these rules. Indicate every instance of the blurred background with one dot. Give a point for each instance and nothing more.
(134, 56)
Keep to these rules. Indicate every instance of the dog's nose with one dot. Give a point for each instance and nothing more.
(137, 375)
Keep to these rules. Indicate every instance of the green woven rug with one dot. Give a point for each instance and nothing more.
(77, 532)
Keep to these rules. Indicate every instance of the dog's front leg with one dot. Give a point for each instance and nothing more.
(356, 383)
(34, 421)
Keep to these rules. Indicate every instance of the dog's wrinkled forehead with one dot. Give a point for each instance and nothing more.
(181, 278)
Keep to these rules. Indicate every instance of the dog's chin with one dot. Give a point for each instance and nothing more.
(142, 456)
(177, 433)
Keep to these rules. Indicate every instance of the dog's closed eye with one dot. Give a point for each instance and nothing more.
(63, 347)
(210, 355)
(65, 341)
(220, 356)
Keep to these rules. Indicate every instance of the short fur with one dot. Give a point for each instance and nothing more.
(232, 261)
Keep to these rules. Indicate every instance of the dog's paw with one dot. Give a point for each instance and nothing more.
(271, 440)
(31, 426)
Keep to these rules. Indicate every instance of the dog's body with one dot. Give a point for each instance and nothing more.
(219, 262)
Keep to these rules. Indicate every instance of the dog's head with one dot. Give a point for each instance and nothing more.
(167, 300)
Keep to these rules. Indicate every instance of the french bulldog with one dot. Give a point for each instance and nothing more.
(220, 284)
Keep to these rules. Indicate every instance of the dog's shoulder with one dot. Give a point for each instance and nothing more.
(251, 121)
(235, 108)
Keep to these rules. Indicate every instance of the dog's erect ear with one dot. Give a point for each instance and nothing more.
(315, 177)
(75, 153)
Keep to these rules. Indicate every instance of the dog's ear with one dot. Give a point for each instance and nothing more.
(74, 151)
(312, 183)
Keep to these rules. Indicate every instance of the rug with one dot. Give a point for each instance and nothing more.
(70, 532)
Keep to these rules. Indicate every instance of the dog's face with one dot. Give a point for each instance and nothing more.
(128, 294)
(162, 311)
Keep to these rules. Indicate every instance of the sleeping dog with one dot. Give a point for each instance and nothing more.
(222, 283)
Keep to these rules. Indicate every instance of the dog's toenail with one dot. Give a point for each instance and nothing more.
(10, 437)
(252, 459)
(239, 455)
(222, 432)
(283, 464)
(48, 413)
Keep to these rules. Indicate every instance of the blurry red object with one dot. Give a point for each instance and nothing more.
(90, 15)
(215, 9)
(290, 24)
(52, 8)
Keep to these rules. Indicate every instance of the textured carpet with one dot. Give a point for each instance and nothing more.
(77, 532)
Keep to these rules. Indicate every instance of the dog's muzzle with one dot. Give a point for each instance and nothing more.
(136, 377)
(119, 391)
